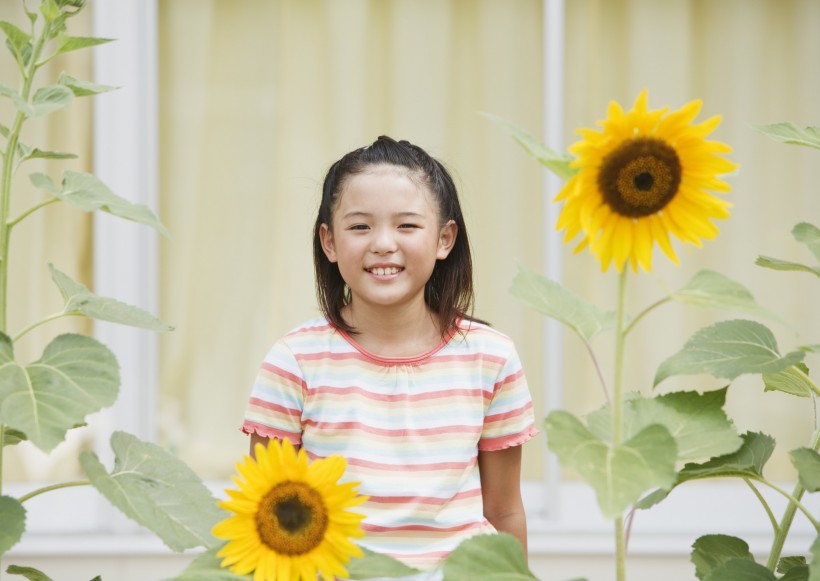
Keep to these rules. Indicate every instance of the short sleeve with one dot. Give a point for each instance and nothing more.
(509, 417)
(277, 399)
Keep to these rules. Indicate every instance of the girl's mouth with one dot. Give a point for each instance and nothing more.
(382, 271)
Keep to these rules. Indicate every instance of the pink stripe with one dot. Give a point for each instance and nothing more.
(411, 467)
(509, 379)
(425, 528)
(424, 499)
(399, 433)
(509, 414)
(255, 401)
(284, 374)
(250, 427)
(323, 390)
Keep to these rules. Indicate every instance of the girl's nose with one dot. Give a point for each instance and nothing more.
(383, 242)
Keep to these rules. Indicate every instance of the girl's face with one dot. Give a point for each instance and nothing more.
(386, 237)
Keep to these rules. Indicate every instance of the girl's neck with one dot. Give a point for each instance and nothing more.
(394, 332)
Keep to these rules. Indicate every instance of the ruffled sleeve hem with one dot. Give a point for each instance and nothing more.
(503, 442)
(249, 427)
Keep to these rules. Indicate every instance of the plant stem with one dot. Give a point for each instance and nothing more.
(53, 317)
(765, 504)
(44, 489)
(788, 515)
(617, 417)
(645, 312)
(31, 210)
(597, 365)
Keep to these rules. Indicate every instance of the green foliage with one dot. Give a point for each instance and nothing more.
(206, 568)
(157, 490)
(488, 557)
(629, 450)
(77, 375)
(377, 565)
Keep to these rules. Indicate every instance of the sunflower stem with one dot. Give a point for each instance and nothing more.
(617, 417)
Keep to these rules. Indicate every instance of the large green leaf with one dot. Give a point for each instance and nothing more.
(709, 552)
(712, 289)
(747, 462)
(158, 491)
(86, 192)
(80, 300)
(740, 570)
(728, 349)
(619, 474)
(553, 300)
(32, 574)
(793, 380)
(696, 421)
(206, 567)
(807, 462)
(46, 100)
(557, 163)
(497, 557)
(374, 565)
(808, 234)
(76, 376)
(12, 522)
(790, 133)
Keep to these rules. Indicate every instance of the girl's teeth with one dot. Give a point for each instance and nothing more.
(383, 271)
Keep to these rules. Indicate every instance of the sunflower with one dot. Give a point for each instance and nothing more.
(644, 176)
(290, 520)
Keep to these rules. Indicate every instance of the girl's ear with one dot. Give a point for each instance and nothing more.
(446, 239)
(326, 238)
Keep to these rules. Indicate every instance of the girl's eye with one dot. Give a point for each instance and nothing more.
(409, 226)
(358, 227)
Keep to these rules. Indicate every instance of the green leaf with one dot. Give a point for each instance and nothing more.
(553, 300)
(790, 133)
(807, 462)
(83, 88)
(12, 437)
(797, 573)
(787, 563)
(710, 551)
(86, 192)
(740, 570)
(809, 235)
(29, 573)
(811, 348)
(12, 522)
(158, 491)
(493, 557)
(557, 163)
(76, 376)
(814, 572)
(793, 380)
(46, 100)
(619, 474)
(696, 421)
(711, 289)
(374, 565)
(28, 152)
(17, 41)
(747, 462)
(69, 43)
(777, 264)
(206, 567)
(728, 349)
(79, 299)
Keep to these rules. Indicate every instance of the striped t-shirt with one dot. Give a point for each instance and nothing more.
(410, 428)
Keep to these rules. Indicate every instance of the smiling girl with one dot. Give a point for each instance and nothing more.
(428, 404)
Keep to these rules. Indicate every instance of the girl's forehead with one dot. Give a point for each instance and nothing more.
(384, 183)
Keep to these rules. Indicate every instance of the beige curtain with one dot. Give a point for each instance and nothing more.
(258, 97)
(57, 234)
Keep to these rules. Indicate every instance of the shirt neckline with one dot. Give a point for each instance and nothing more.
(409, 360)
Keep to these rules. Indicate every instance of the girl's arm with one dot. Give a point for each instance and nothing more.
(500, 473)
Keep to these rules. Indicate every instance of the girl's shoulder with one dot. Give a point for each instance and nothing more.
(477, 336)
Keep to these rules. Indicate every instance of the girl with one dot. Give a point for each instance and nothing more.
(428, 405)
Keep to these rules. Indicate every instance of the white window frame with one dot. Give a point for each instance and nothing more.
(563, 517)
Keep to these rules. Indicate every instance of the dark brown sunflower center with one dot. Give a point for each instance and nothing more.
(292, 518)
(640, 177)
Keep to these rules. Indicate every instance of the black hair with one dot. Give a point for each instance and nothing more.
(449, 291)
